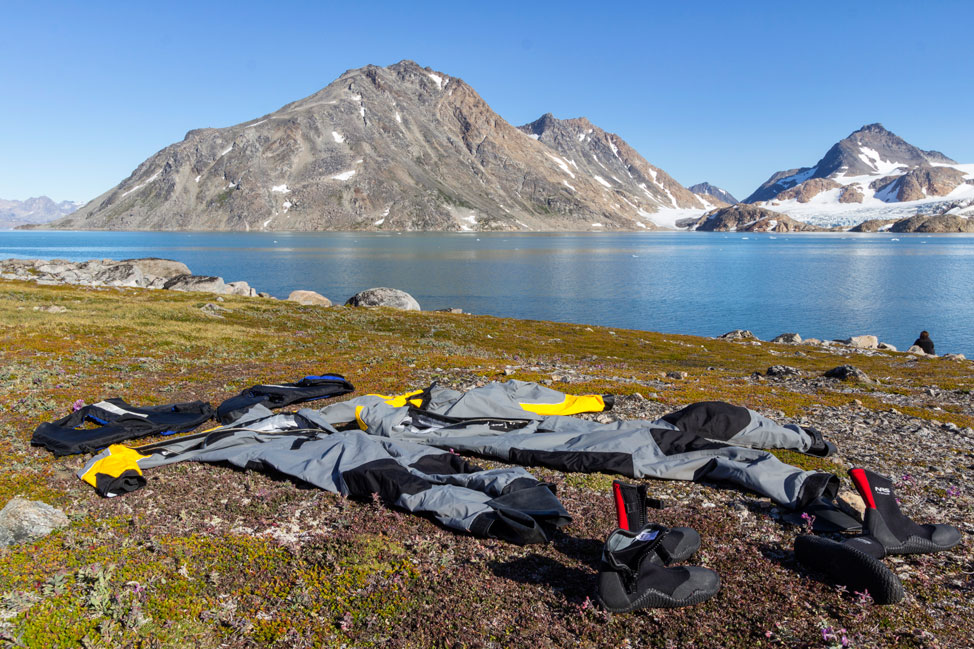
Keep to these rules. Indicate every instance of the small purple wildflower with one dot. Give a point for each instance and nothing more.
(953, 491)
(78, 405)
(809, 520)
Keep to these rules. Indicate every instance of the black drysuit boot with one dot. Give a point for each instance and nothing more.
(631, 577)
(854, 563)
(885, 523)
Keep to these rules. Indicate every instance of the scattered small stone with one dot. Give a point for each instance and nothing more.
(677, 375)
(847, 373)
(450, 310)
(886, 346)
(23, 520)
(51, 309)
(954, 357)
(213, 310)
(811, 341)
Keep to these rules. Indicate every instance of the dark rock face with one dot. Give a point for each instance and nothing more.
(809, 189)
(750, 218)
(714, 192)
(395, 148)
(863, 152)
(382, 296)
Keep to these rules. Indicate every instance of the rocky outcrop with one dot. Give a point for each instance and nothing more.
(919, 183)
(23, 520)
(165, 268)
(851, 194)
(132, 273)
(749, 218)
(873, 225)
(738, 334)
(382, 296)
(934, 224)
(389, 148)
(309, 298)
(790, 338)
(809, 189)
(198, 283)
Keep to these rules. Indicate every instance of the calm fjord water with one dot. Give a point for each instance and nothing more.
(819, 285)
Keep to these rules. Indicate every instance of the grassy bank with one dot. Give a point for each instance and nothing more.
(208, 556)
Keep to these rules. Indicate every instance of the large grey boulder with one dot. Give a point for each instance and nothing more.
(391, 297)
(862, 342)
(23, 520)
(165, 268)
(201, 283)
(241, 288)
(916, 349)
(738, 334)
(309, 298)
(120, 275)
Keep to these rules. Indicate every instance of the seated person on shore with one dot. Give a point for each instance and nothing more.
(925, 343)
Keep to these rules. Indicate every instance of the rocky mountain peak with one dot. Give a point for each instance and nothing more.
(872, 150)
(713, 191)
(400, 147)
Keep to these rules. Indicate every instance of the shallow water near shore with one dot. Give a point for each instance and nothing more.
(819, 285)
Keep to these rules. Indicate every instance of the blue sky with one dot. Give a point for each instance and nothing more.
(727, 92)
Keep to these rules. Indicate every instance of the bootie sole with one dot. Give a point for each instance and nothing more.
(849, 567)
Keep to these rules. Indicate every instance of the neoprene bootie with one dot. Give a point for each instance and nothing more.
(884, 521)
(820, 447)
(676, 543)
(854, 563)
(631, 577)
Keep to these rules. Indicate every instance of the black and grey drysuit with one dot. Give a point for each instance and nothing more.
(402, 449)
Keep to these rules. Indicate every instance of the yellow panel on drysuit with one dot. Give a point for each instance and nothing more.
(572, 405)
